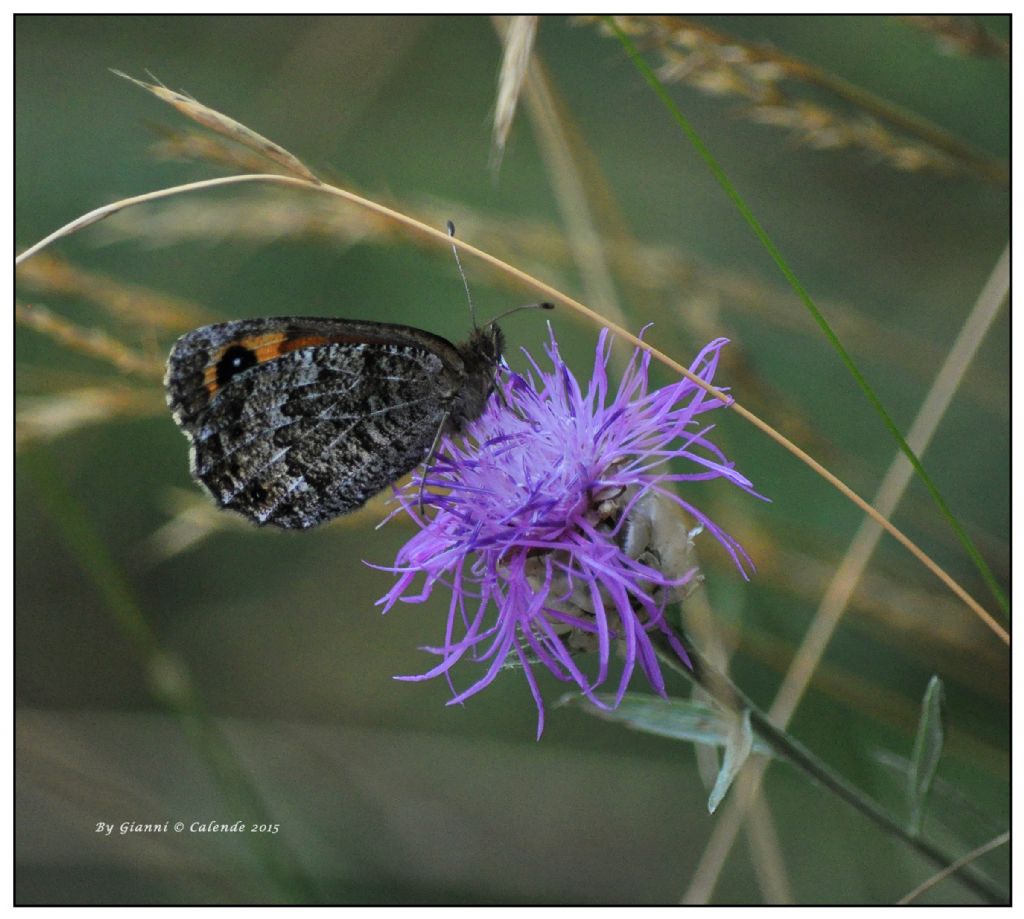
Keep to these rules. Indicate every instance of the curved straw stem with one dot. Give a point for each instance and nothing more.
(553, 294)
(109, 210)
(995, 843)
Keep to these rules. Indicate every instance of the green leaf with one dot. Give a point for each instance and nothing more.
(927, 750)
(737, 750)
(678, 719)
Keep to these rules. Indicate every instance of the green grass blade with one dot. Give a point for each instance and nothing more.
(802, 293)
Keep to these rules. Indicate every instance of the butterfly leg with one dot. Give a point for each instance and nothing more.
(429, 457)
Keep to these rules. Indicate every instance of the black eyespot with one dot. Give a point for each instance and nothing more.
(235, 360)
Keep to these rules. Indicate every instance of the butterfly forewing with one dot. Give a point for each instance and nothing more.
(294, 421)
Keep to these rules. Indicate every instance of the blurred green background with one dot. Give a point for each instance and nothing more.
(384, 794)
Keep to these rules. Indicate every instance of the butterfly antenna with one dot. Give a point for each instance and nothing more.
(525, 306)
(465, 283)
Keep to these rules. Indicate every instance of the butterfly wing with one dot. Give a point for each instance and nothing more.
(295, 421)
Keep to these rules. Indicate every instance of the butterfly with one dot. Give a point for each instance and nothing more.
(295, 420)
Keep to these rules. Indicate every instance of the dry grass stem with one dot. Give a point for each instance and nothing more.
(142, 306)
(720, 64)
(892, 611)
(907, 614)
(862, 694)
(518, 34)
(108, 210)
(41, 419)
(194, 146)
(261, 219)
(92, 342)
(227, 127)
(193, 519)
(961, 35)
(891, 490)
(678, 288)
(555, 138)
(766, 855)
(1001, 840)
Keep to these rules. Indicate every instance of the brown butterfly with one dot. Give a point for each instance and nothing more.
(296, 420)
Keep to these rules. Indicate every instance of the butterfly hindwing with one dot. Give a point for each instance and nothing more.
(295, 421)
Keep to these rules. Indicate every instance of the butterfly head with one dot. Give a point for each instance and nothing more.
(489, 343)
(481, 357)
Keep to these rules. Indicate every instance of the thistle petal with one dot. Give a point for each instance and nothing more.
(531, 512)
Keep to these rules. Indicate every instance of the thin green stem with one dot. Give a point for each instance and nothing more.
(726, 693)
(802, 293)
(170, 683)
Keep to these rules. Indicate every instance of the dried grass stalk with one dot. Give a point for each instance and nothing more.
(722, 65)
(677, 286)
(50, 274)
(518, 35)
(962, 35)
(193, 519)
(93, 342)
(228, 127)
(45, 418)
(261, 218)
(194, 146)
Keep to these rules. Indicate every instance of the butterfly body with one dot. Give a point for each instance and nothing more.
(296, 420)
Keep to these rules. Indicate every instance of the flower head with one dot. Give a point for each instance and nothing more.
(556, 522)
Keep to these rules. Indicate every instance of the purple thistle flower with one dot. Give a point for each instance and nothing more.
(548, 528)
